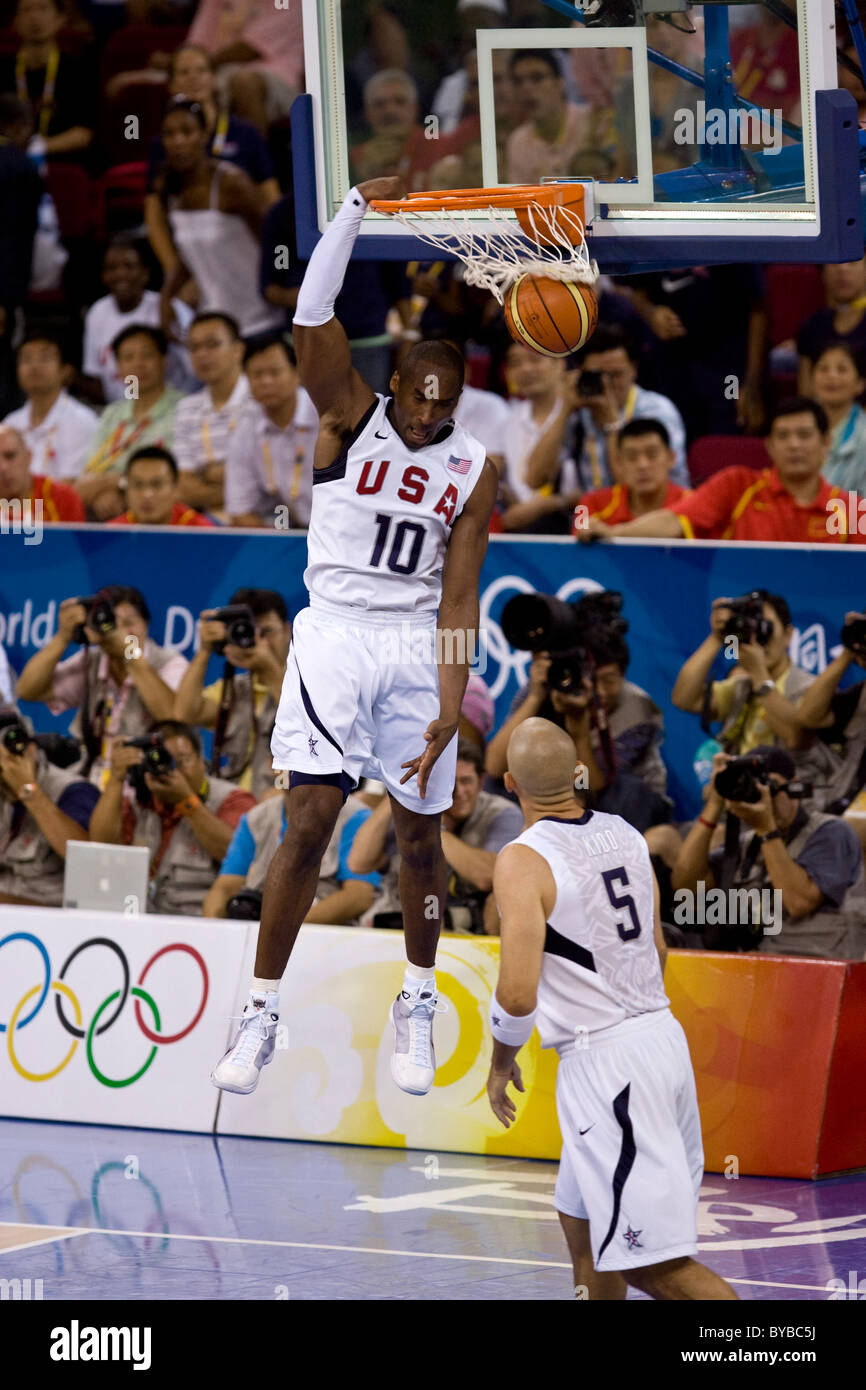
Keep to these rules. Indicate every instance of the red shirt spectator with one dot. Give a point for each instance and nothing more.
(612, 505)
(737, 505)
(181, 515)
(60, 502)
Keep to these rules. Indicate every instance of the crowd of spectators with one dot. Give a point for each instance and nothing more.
(169, 322)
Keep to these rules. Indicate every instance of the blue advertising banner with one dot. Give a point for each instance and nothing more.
(667, 589)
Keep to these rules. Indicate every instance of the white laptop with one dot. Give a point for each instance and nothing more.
(111, 878)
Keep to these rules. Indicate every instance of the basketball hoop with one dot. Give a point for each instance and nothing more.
(538, 229)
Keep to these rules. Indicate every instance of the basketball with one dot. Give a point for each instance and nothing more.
(552, 317)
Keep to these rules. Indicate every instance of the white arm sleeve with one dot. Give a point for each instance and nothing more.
(327, 268)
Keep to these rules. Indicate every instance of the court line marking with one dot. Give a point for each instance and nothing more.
(33, 1244)
(371, 1250)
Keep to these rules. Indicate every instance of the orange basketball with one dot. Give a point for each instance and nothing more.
(553, 317)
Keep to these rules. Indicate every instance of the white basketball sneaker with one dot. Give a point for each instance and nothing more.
(252, 1048)
(413, 1062)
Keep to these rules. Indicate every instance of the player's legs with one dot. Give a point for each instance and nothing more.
(423, 885)
(588, 1283)
(679, 1280)
(290, 886)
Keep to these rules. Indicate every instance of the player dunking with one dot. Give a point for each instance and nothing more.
(402, 499)
(580, 956)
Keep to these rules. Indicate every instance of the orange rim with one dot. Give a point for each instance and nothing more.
(565, 195)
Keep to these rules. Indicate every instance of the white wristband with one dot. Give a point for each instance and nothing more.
(514, 1032)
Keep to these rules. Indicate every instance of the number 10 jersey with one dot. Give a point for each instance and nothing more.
(382, 515)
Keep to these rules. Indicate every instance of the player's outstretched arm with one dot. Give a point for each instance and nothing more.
(339, 393)
(525, 896)
(457, 625)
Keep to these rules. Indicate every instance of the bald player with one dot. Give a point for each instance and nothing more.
(582, 956)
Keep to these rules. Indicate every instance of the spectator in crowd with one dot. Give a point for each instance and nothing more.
(145, 415)
(369, 291)
(40, 498)
(644, 463)
(119, 682)
(186, 819)
(534, 385)
(342, 894)
(838, 382)
(766, 63)
(211, 211)
(125, 274)
(269, 465)
(152, 495)
(756, 701)
(59, 88)
(241, 707)
(258, 52)
(477, 712)
(192, 75)
(42, 808)
(206, 421)
(397, 144)
(592, 408)
(56, 428)
(840, 716)
(474, 830)
(695, 367)
(789, 502)
(813, 859)
(844, 318)
(21, 191)
(634, 720)
(556, 128)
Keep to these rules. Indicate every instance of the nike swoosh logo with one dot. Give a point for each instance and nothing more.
(586, 1131)
(381, 436)
(671, 286)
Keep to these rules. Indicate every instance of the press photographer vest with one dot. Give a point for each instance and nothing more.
(29, 867)
(817, 764)
(134, 719)
(265, 826)
(241, 727)
(838, 933)
(186, 871)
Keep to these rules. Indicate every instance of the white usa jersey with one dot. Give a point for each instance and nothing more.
(600, 963)
(382, 515)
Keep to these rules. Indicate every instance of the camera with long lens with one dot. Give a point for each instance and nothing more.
(240, 627)
(568, 631)
(742, 778)
(101, 617)
(854, 634)
(59, 749)
(157, 761)
(747, 622)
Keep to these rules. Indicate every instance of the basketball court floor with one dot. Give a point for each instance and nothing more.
(91, 1213)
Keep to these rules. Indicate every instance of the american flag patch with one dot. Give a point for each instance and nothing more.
(459, 465)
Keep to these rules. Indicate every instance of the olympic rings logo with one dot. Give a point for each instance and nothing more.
(95, 1029)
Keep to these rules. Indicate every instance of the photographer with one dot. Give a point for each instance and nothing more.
(242, 705)
(42, 807)
(812, 859)
(185, 818)
(474, 830)
(120, 681)
(840, 715)
(756, 701)
(342, 895)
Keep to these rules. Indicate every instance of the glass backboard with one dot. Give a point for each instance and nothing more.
(713, 131)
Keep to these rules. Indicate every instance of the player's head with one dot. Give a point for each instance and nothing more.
(426, 388)
(542, 765)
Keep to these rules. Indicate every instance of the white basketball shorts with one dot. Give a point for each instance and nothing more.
(632, 1157)
(355, 699)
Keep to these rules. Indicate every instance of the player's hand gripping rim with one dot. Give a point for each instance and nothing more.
(437, 736)
(501, 1103)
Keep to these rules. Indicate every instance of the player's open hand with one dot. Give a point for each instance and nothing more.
(437, 736)
(501, 1103)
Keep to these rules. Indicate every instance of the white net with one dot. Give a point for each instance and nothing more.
(495, 259)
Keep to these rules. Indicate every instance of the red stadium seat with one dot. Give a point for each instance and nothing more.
(121, 196)
(794, 292)
(147, 100)
(72, 190)
(716, 451)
